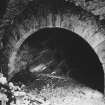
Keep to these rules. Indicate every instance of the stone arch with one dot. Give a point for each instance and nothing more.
(82, 23)
(79, 55)
(90, 32)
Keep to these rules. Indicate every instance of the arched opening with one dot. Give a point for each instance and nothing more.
(65, 50)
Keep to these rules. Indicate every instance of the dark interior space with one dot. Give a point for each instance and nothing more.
(80, 58)
(3, 6)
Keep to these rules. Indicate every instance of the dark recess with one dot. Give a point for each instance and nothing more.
(3, 6)
(82, 61)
